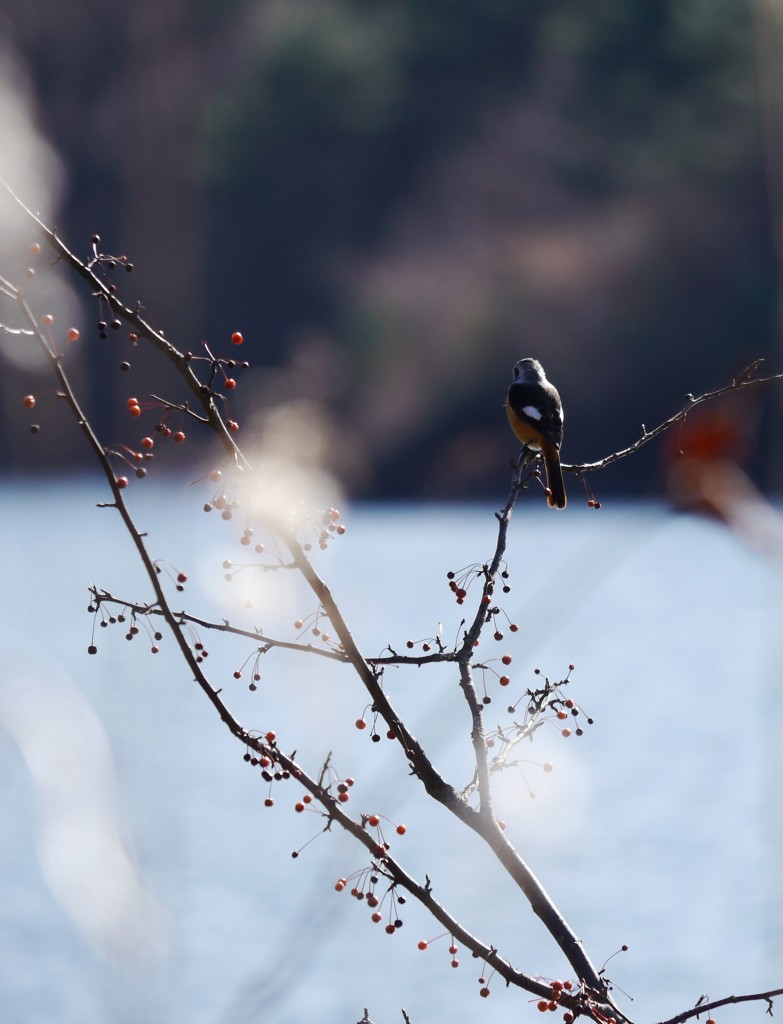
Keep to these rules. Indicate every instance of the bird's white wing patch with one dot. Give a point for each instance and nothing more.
(532, 412)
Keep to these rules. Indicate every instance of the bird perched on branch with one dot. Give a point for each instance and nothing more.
(535, 413)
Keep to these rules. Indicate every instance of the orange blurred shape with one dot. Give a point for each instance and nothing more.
(704, 473)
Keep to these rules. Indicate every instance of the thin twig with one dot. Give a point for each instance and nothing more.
(269, 642)
(743, 380)
(695, 1011)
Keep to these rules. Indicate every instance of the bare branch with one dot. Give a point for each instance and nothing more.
(700, 1008)
(743, 380)
(268, 642)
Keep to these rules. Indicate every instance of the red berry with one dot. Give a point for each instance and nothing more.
(29, 401)
(73, 334)
(344, 797)
(452, 950)
(230, 384)
(513, 627)
(134, 410)
(543, 1005)
(182, 577)
(269, 802)
(562, 714)
(506, 659)
(373, 820)
(147, 442)
(422, 944)
(401, 830)
(122, 482)
(34, 248)
(178, 436)
(504, 680)
(233, 426)
(390, 929)
(566, 733)
(237, 338)
(484, 992)
(360, 723)
(47, 320)
(376, 917)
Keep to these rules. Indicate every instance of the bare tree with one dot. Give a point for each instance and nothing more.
(205, 383)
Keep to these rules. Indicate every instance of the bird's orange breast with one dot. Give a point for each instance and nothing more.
(524, 430)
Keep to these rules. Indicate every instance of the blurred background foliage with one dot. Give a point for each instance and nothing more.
(395, 200)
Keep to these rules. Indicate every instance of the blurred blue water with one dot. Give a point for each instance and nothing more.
(660, 828)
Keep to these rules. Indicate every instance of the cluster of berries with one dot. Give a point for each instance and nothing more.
(104, 621)
(364, 889)
(553, 1002)
(459, 584)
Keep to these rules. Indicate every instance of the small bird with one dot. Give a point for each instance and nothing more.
(535, 413)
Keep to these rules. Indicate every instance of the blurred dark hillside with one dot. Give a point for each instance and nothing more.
(394, 201)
